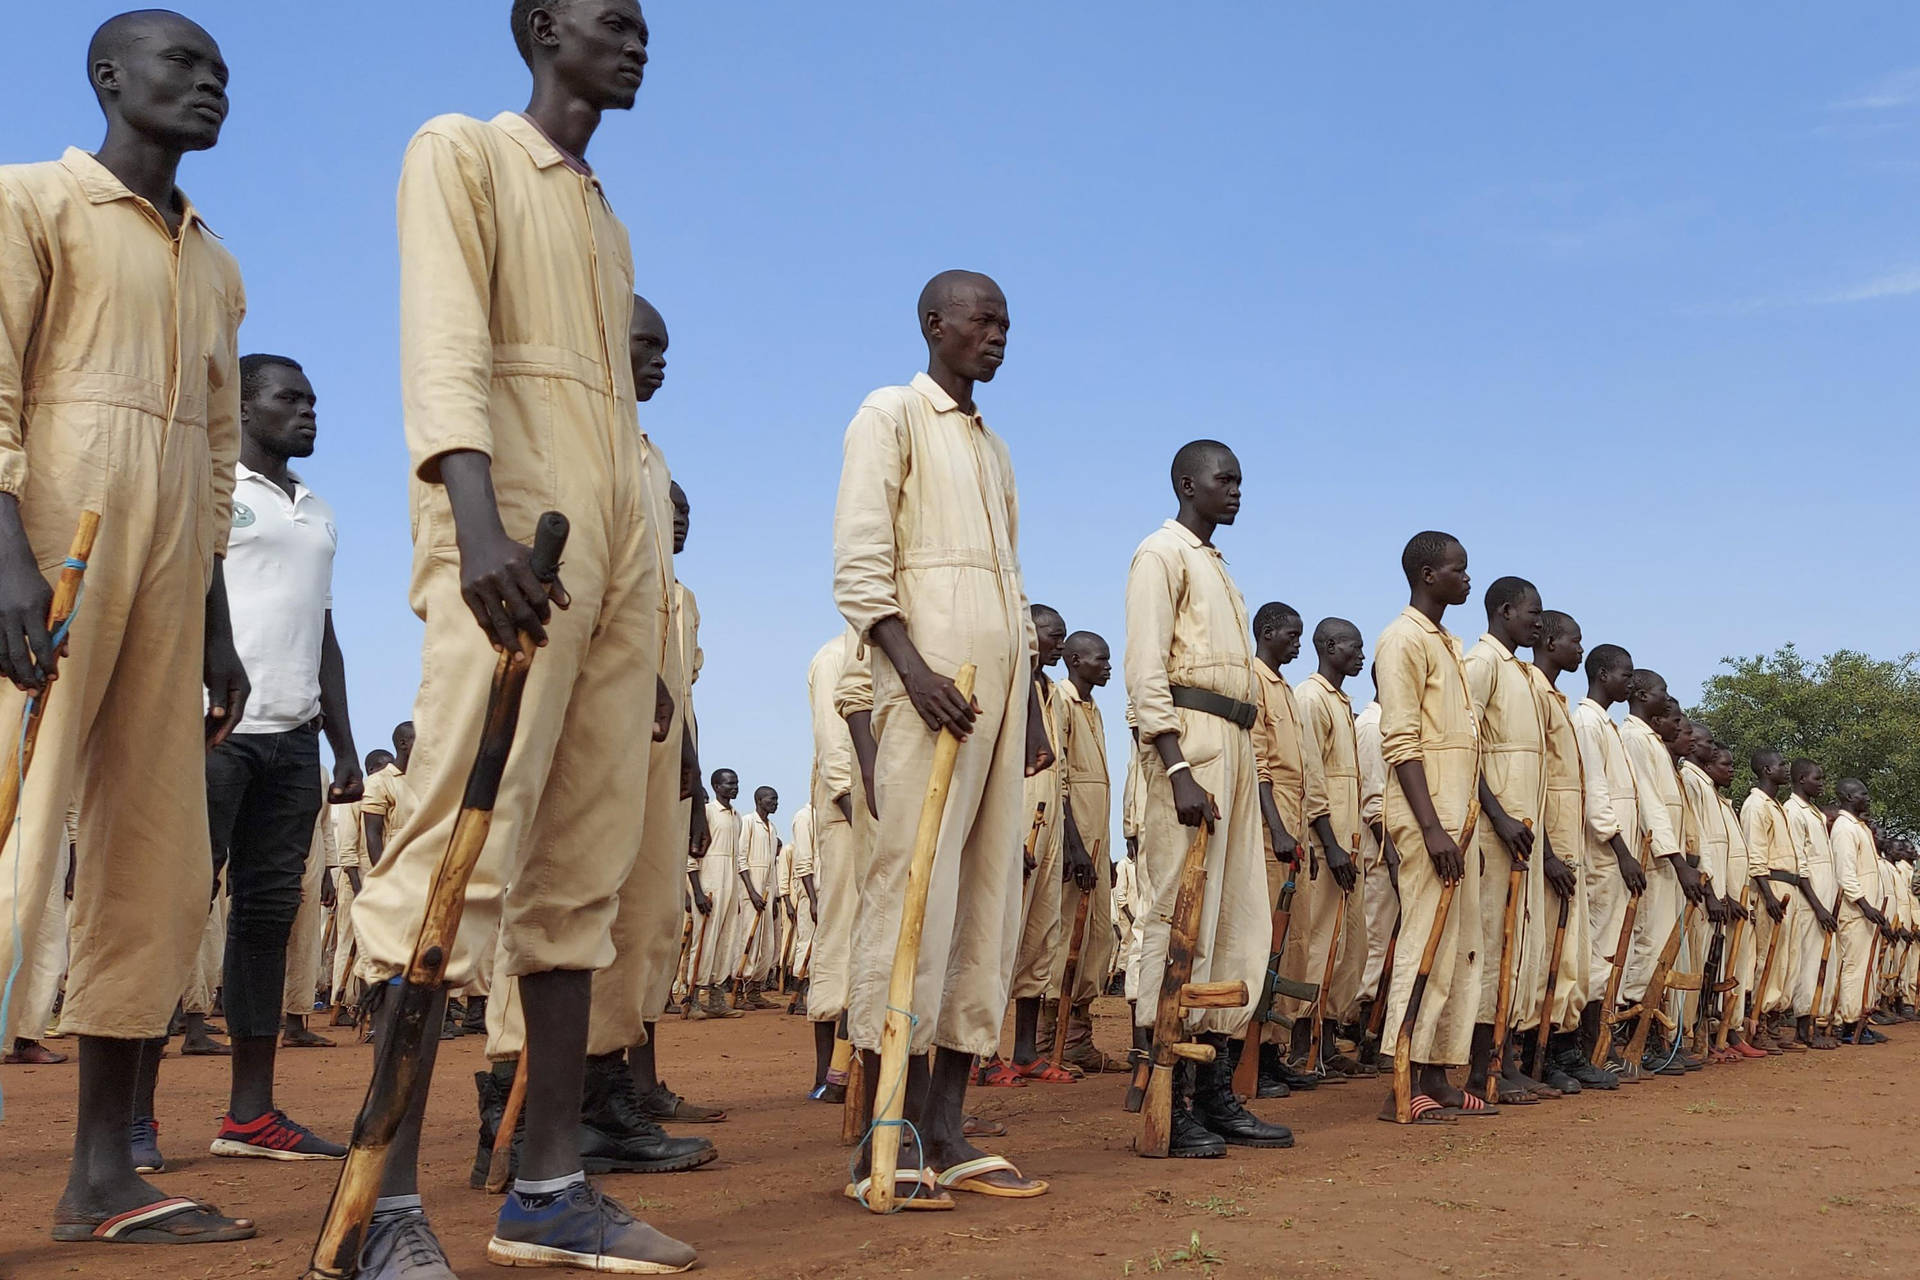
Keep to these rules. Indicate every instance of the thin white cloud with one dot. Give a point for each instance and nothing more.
(1891, 284)
(1898, 89)
(1901, 282)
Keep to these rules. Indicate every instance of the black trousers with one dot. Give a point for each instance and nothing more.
(263, 798)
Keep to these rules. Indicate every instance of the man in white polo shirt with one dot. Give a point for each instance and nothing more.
(263, 783)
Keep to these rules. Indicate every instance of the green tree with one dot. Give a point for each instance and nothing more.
(1858, 716)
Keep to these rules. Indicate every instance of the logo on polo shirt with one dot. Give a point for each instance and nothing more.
(242, 515)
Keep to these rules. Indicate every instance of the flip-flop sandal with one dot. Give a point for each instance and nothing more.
(970, 1175)
(914, 1191)
(1044, 1072)
(1474, 1105)
(150, 1225)
(1422, 1110)
(975, 1127)
(999, 1075)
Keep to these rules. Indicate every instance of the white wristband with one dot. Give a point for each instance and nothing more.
(1177, 766)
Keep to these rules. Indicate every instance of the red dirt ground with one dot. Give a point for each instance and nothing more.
(1804, 1164)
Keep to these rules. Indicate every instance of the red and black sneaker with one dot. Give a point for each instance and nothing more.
(273, 1137)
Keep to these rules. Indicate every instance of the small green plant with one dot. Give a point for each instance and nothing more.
(1219, 1206)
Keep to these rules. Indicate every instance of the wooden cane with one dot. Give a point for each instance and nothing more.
(803, 970)
(855, 1116)
(1553, 976)
(1820, 986)
(1029, 852)
(1766, 972)
(1866, 983)
(500, 1163)
(699, 958)
(1403, 1038)
(1326, 983)
(1509, 938)
(66, 595)
(746, 958)
(1734, 935)
(896, 1037)
(1071, 978)
(397, 1059)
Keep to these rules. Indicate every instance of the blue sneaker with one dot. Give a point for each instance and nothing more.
(582, 1229)
(144, 1137)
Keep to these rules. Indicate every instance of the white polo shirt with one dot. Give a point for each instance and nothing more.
(279, 587)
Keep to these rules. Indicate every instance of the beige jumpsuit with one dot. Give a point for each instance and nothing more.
(1040, 896)
(1807, 829)
(1708, 838)
(1564, 821)
(758, 932)
(1513, 764)
(1326, 718)
(803, 861)
(119, 393)
(1187, 625)
(836, 775)
(1662, 812)
(1771, 852)
(1426, 714)
(516, 289)
(349, 854)
(926, 529)
(1300, 794)
(1610, 809)
(1090, 791)
(1857, 867)
(1382, 899)
(716, 935)
(1136, 892)
(1742, 963)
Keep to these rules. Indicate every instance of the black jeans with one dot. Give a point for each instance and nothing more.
(263, 798)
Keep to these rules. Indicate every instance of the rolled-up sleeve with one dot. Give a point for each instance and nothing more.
(833, 748)
(1153, 596)
(447, 246)
(24, 270)
(865, 542)
(1400, 678)
(1602, 823)
(853, 691)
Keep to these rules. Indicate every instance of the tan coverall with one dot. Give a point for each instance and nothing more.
(119, 393)
(803, 861)
(349, 854)
(1708, 839)
(1856, 865)
(1136, 892)
(1771, 853)
(926, 529)
(1513, 763)
(1662, 812)
(1564, 821)
(302, 981)
(1040, 896)
(45, 968)
(717, 936)
(1090, 792)
(1382, 900)
(1741, 963)
(516, 290)
(1187, 625)
(758, 932)
(1426, 714)
(1815, 979)
(1300, 794)
(836, 774)
(1326, 718)
(1610, 809)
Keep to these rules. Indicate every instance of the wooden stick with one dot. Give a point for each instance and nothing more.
(1509, 939)
(398, 1055)
(1246, 1072)
(1029, 852)
(500, 1165)
(1546, 1005)
(66, 594)
(854, 1116)
(1766, 972)
(1610, 1015)
(1377, 1015)
(1070, 978)
(1650, 1010)
(1326, 983)
(1820, 987)
(739, 981)
(1729, 1016)
(1403, 1039)
(1867, 998)
(1169, 1019)
(896, 1037)
(699, 957)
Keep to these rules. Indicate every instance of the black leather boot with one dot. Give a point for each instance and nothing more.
(493, 1090)
(1189, 1139)
(615, 1134)
(1215, 1106)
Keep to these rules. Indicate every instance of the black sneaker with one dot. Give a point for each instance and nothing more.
(617, 1137)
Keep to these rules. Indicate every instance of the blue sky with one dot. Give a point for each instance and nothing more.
(1627, 300)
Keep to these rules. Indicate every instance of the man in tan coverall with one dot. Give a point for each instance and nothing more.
(755, 861)
(1431, 744)
(516, 299)
(1190, 673)
(836, 890)
(1856, 865)
(119, 394)
(1089, 786)
(1661, 809)
(1774, 867)
(1815, 968)
(927, 573)
(1293, 800)
(716, 885)
(1339, 893)
(1611, 832)
(1512, 800)
(1380, 864)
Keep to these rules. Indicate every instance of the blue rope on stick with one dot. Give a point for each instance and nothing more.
(20, 765)
(919, 1148)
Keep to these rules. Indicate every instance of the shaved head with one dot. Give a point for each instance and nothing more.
(1331, 630)
(120, 33)
(950, 287)
(1085, 644)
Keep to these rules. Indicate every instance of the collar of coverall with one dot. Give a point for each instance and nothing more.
(103, 188)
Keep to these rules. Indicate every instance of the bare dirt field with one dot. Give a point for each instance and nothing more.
(1808, 1162)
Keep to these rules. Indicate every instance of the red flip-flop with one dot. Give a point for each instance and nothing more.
(1044, 1072)
(995, 1073)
